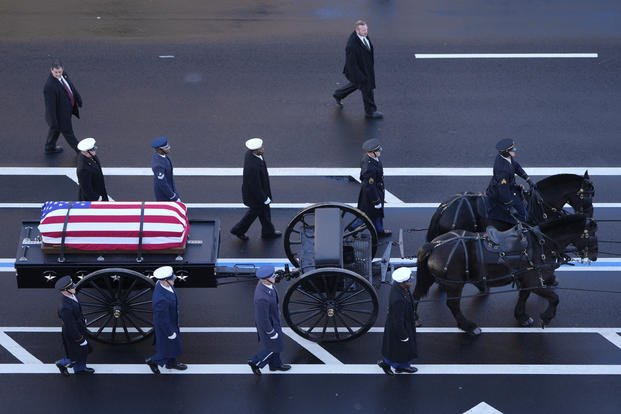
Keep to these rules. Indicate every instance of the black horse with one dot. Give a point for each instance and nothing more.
(468, 211)
(523, 255)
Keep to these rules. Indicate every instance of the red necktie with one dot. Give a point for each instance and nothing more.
(66, 86)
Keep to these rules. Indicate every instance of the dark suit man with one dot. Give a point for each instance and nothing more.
(267, 320)
(256, 193)
(399, 341)
(165, 323)
(62, 100)
(90, 177)
(359, 70)
(74, 331)
(505, 195)
(371, 196)
(163, 179)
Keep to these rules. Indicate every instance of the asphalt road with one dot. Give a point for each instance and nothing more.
(243, 69)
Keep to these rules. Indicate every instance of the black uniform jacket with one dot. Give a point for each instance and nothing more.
(372, 187)
(359, 63)
(502, 188)
(400, 326)
(58, 108)
(90, 179)
(256, 181)
(73, 330)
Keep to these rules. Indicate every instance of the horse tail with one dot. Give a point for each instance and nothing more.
(424, 278)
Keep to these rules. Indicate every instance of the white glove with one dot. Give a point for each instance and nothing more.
(405, 340)
(178, 200)
(84, 343)
(99, 199)
(275, 336)
(378, 205)
(267, 201)
(173, 336)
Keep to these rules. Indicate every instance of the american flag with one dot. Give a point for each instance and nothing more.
(115, 226)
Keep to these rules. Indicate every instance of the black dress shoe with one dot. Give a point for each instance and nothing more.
(274, 235)
(283, 367)
(338, 101)
(153, 366)
(409, 370)
(85, 371)
(54, 150)
(255, 368)
(374, 115)
(385, 367)
(178, 366)
(62, 368)
(240, 236)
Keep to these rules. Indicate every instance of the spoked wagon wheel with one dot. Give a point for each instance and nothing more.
(117, 305)
(355, 225)
(330, 305)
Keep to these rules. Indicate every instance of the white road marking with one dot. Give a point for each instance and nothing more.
(505, 55)
(317, 350)
(17, 350)
(613, 336)
(482, 408)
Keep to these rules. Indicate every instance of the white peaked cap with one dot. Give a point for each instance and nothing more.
(86, 144)
(163, 272)
(254, 143)
(401, 274)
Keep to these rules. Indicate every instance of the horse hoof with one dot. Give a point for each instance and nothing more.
(475, 332)
(527, 323)
(418, 323)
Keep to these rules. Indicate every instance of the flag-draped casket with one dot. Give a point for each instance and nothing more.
(114, 226)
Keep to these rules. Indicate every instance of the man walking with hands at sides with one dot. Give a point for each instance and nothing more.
(360, 70)
(165, 323)
(256, 193)
(372, 193)
(90, 177)
(267, 320)
(163, 180)
(62, 100)
(399, 346)
(75, 343)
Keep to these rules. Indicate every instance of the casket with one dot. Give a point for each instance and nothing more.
(89, 226)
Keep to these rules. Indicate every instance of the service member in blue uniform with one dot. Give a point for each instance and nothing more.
(256, 193)
(399, 346)
(92, 186)
(163, 180)
(371, 196)
(505, 195)
(165, 323)
(74, 331)
(267, 320)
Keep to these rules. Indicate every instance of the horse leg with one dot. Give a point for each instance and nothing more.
(453, 300)
(520, 309)
(420, 290)
(553, 302)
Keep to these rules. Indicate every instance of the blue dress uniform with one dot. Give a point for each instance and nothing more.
(503, 192)
(163, 181)
(267, 321)
(372, 186)
(165, 325)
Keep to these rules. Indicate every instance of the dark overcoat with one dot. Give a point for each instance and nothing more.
(163, 180)
(266, 317)
(165, 323)
(256, 181)
(502, 189)
(372, 187)
(400, 325)
(90, 179)
(73, 329)
(359, 62)
(58, 107)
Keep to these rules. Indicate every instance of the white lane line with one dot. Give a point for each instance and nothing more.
(312, 347)
(17, 350)
(330, 369)
(505, 55)
(316, 172)
(613, 336)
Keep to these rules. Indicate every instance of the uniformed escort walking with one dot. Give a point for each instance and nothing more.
(74, 331)
(163, 180)
(371, 196)
(256, 193)
(506, 198)
(165, 323)
(399, 345)
(267, 320)
(92, 186)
